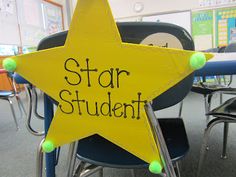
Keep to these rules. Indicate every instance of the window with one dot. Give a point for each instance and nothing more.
(8, 50)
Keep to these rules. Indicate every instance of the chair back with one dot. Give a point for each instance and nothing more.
(11, 84)
(150, 33)
(230, 48)
(221, 49)
(212, 50)
(164, 35)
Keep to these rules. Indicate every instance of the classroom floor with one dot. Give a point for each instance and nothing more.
(18, 148)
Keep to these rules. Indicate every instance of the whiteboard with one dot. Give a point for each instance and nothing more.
(182, 19)
(9, 30)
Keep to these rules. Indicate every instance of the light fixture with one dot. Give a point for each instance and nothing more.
(138, 7)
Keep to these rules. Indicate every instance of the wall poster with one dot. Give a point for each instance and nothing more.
(53, 16)
(202, 29)
(225, 26)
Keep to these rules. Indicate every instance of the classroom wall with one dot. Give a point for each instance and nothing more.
(22, 21)
(179, 12)
(125, 8)
(150, 6)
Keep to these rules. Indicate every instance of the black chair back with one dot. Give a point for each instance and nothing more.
(136, 32)
(230, 48)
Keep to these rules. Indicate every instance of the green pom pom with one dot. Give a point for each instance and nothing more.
(9, 64)
(155, 167)
(48, 146)
(197, 60)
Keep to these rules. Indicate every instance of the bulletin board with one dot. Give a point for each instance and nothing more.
(202, 29)
(225, 26)
(9, 30)
(53, 16)
(208, 3)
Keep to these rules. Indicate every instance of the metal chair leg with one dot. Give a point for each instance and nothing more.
(72, 158)
(221, 98)
(207, 100)
(133, 173)
(225, 139)
(181, 108)
(20, 106)
(177, 170)
(13, 113)
(211, 124)
(90, 170)
(206, 108)
(79, 169)
(35, 103)
(39, 160)
(100, 173)
(29, 113)
(225, 134)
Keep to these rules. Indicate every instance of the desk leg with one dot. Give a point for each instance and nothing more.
(49, 157)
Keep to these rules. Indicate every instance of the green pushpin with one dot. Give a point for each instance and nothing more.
(9, 64)
(155, 167)
(48, 146)
(197, 60)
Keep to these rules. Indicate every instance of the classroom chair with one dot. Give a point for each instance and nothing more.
(220, 85)
(207, 88)
(8, 95)
(33, 110)
(32, 104)
(98, 151)
(225, 113)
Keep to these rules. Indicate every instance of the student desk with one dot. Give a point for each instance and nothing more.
(221, 64)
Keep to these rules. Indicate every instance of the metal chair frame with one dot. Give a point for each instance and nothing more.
(32, 107)
(82, 170)
(14, 94)
(58, 40)
(219, 89)
(210, 125)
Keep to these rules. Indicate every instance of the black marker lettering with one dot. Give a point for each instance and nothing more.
(88, 70)
(108, 105)
(118, 72)
(69, 103)
(125, 110)
(78, 101)
(96, 107)
(139, 102)
(108, 73)
(72, 71)
(116, 107)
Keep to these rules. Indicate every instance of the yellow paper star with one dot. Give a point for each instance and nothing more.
(102, 84)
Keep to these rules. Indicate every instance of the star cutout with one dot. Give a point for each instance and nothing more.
(101, 83)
